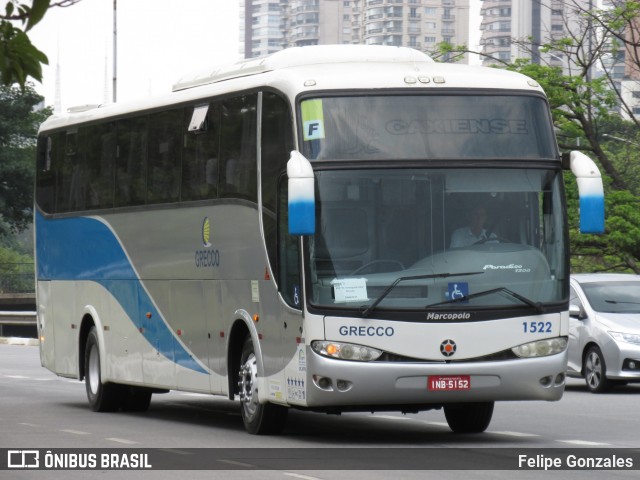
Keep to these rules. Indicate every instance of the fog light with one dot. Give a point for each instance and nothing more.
(343, 385)
(546, 381)
(323, 383)
(631, 364)
(560, 379)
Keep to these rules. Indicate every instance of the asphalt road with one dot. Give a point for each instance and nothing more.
(41, 411)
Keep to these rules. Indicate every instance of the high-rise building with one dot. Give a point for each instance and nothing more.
(629, 85)
(420, 24)
(516, 28)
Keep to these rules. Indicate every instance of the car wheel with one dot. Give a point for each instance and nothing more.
(594, 370)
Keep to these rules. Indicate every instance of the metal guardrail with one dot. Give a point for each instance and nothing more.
(18, 318)
(18, 321)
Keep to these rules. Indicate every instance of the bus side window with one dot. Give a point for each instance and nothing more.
(69, 188)
(238, 169)
(48, 146)
(131, 165)
(96, 152)
(200, 155)
(277, 143)
(164, 156)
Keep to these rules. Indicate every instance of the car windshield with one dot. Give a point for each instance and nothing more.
(411, 238)
(613, 297)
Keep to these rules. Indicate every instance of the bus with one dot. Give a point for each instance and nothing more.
(280, 231)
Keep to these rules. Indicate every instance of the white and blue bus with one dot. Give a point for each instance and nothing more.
(281, 232)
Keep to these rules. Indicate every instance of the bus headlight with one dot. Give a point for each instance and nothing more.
(541, 348)
(346, 351)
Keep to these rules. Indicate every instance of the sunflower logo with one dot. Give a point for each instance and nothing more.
(206, 232)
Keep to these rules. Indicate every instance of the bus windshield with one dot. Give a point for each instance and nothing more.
(427, 127)
(434, 236)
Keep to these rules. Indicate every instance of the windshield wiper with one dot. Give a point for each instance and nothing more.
(537, 306)
(367, 310)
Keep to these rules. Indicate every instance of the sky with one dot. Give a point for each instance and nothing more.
(158, 42)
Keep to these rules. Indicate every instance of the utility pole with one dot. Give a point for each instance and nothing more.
(115, 51)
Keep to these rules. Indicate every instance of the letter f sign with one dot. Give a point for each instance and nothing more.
(313, 130)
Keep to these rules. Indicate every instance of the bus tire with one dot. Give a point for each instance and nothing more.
(103, 397)
(469, 417)
(258, 419)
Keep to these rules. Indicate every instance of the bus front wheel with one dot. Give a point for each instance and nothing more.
(469, 417)
(259, 418)
(103, 397)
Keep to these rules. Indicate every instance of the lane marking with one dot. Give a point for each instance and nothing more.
(176, 451)
(515, 434)
(583, 442)
(303, 477)
(75, 432)
(121, 440)
(30, 424)
(233, 462)
(392, 417)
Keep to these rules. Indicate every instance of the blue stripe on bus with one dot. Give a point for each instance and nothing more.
(85, 249)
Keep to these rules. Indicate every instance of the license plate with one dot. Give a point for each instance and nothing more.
(449, 382)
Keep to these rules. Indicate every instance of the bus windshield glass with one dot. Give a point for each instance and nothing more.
(441, 238)
(430, 126)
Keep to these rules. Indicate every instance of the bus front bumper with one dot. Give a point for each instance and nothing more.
(336, 383)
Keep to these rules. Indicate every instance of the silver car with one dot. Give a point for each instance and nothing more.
(604, 333)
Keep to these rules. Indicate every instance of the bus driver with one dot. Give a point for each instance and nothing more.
(474, 232)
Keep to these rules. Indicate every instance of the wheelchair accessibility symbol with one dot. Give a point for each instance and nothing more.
(457, 291)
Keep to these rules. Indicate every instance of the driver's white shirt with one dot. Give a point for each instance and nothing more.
(463, 237)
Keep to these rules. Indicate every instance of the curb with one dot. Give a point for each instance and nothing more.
(31, 342)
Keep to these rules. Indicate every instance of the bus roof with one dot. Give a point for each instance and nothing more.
(311, 56)
(316, 68)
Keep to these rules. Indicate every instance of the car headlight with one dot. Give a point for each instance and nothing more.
(346, 351)
(626, 337)
(541, 348)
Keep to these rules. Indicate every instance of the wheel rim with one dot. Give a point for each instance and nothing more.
(248, 386)
(593, 367)
(94, 369)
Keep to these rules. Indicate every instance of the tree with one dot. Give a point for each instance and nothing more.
(18, 129)
(19, 58)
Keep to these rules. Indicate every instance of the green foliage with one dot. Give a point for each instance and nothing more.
(619, 247)
(18, 129)
(19, 58)
(16, 272)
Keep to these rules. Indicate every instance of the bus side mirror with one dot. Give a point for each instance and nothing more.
(302, 204)
(591, 192)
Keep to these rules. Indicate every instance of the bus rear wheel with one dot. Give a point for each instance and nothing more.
(469, 417)
(258, 418)
(103, 397)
